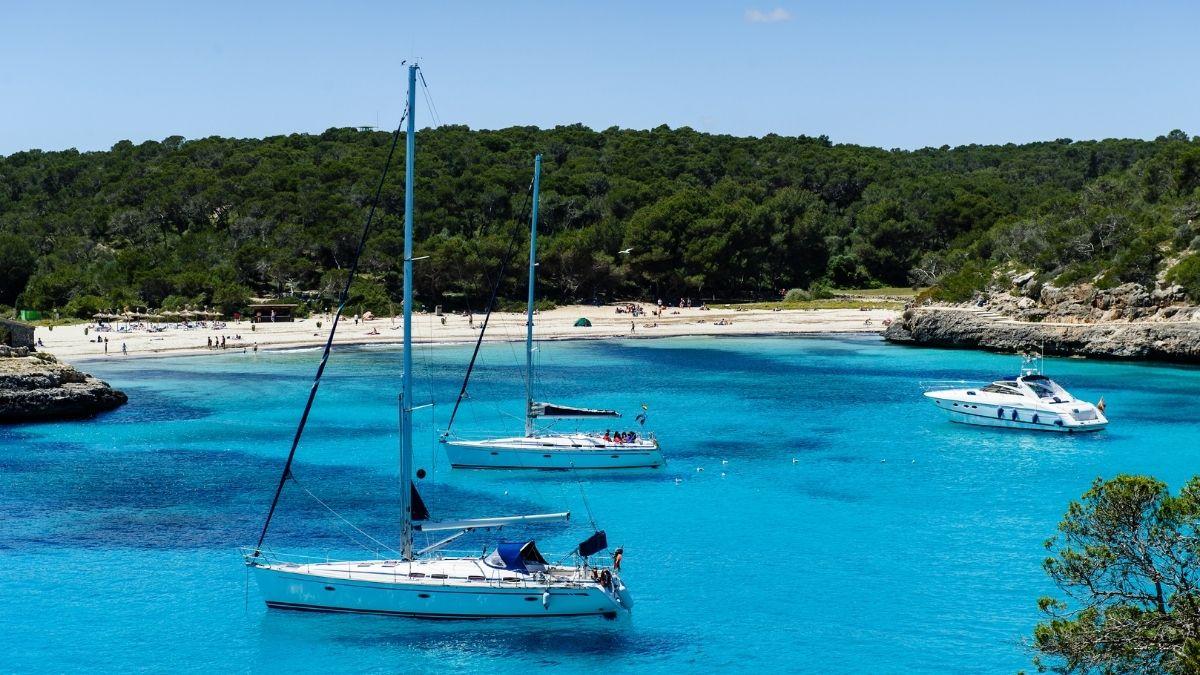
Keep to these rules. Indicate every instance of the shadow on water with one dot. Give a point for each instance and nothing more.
(546, 639)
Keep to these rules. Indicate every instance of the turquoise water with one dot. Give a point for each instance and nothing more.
(840, 524)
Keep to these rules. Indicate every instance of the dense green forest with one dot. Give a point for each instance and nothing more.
(214, 221)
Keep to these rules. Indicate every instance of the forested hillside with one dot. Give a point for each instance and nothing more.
(213, 221)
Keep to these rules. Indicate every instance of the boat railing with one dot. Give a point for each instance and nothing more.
(393, 569)
(934, 385)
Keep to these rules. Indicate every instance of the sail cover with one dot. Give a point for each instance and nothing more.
(593, 544)
(517, 556)
(555, 410)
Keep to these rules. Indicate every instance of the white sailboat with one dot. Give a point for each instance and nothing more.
(514, 580)
(548, 450)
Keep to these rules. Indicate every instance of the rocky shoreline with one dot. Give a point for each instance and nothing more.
(36, 387)
(1171, 341)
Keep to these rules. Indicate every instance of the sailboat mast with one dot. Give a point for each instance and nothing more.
(537, 174)
(406, 400)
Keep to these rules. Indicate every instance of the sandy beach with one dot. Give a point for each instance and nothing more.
(77, 342)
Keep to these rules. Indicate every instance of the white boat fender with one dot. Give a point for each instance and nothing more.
(546, 599)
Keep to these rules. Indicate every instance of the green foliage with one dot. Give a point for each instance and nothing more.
(963, 284)
(369, 295)
(1186, 273)
(215, 220)
(17, 263)
(85, 306)
(1125, 557)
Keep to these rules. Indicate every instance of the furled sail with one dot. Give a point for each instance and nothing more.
(555, 410)
(419, 510)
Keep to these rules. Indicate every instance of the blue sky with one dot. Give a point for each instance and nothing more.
(891, 74)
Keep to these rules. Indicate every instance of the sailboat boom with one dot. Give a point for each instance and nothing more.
(487, 523)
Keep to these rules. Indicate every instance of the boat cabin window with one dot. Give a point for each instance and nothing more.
(997, 388)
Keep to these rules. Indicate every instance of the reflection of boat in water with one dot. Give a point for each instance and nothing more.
(515, 580)
(1029, 401)
(547, 449)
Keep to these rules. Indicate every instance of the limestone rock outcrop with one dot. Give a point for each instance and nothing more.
(35, 386)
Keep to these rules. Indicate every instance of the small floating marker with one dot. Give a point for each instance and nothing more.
(795, 461)
(722, 474)
(678, 481)
(883, 461)
(699, 469)
(724, 461)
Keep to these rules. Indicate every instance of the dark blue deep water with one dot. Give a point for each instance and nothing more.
(894, 542)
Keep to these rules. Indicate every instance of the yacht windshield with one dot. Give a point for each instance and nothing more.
(998, 388)
(1044, 387)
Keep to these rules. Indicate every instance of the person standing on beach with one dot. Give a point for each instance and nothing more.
(106, 346)
(631, 327)
(210, 342)
(124, 351)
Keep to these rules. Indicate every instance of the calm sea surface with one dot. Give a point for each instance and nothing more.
(816, 513)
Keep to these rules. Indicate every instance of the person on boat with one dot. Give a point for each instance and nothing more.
(618, 555)
(607, 436)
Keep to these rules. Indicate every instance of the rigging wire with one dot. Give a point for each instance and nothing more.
(491, 305)
(582, 493)
(342, 518)
(342, 300)
(437, 117)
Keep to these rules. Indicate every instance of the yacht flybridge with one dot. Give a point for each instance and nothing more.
(547, 450)
(513, 580)
(1029, 401)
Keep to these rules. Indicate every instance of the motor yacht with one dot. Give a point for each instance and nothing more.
(1028, 401)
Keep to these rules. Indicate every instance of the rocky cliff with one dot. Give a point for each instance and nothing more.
(1176, 341)
(37, 387)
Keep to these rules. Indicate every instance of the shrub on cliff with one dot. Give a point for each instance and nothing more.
(1186, 273)
(963, 284)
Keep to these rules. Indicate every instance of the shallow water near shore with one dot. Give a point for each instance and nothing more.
(816, 512)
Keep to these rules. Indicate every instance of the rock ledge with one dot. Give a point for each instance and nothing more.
(36, 387)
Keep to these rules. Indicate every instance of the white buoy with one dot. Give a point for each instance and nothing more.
(699, 469)
(724, 461)
(795, 461)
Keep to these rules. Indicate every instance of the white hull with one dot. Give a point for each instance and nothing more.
(390, 588)
(554, 453)
(991, 415)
